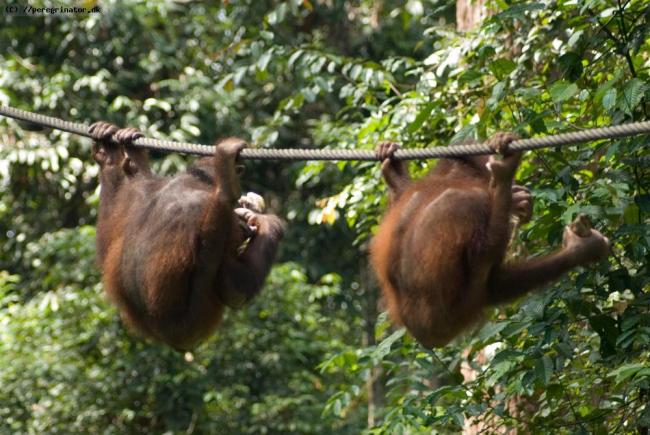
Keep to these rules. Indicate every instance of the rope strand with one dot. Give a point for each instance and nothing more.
(329, 154)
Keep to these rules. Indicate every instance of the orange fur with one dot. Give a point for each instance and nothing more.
(168, 246)
(439, 251)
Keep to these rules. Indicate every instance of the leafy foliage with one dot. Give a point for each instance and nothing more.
(310, 354)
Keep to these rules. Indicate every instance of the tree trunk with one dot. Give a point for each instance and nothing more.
(375, 381)
(469, 14)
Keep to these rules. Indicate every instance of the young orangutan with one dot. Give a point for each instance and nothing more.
(171, 248)
(440, 249)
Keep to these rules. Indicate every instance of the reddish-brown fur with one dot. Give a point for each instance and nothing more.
(168, 246)
(439, 251)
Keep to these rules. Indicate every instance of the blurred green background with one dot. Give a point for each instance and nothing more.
(314, 353)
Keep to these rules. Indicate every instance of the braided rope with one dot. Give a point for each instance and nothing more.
(328, 154)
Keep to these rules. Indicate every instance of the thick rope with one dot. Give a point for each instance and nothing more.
(328, 154)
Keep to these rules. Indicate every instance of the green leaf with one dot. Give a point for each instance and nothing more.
(609, 99)
(632, 95)
(498, 92)
(571, 64)
(422, 116)
(294, 57)
(491, 329)
(573, 40)
(519, 11)
(384, 347)
(544, 369)
(507, 355)
(607, 329)
(561, 91)
(502, 67)
(470, 77)
(266, 35)
(264, 59)
(448, 391)
(631, 214)
(465, 134)
(626, 371)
